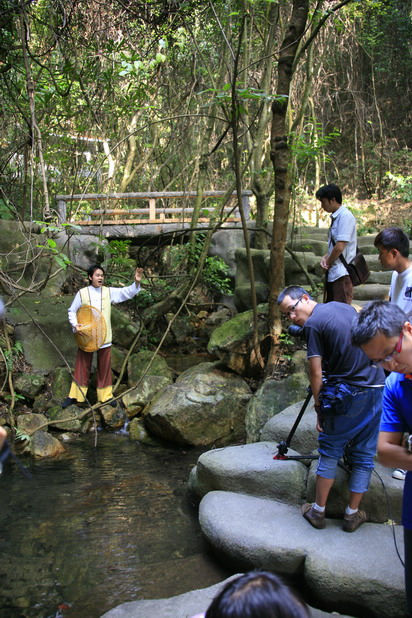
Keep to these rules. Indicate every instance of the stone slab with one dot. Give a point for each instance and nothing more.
(359, 571)
(182, 606)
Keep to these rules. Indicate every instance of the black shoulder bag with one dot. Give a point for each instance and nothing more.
(358, 269)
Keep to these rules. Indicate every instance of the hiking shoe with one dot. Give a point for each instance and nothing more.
(352, 522)
(315, 518)
(69, 401)
(399, 474)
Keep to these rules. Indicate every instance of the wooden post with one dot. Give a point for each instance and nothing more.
(152, 209)
(246, 206)
(61, 211)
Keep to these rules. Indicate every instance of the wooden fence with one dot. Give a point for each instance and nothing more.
(159, 207)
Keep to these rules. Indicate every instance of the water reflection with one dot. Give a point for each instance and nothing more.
(97, 528)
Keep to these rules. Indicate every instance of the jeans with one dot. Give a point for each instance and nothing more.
(357, 429)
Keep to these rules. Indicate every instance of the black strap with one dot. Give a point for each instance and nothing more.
(342, 259)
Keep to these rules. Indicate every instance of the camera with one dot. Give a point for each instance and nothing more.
(296, 331)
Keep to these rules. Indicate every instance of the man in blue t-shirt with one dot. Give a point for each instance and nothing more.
(384, 333)
(347, 392)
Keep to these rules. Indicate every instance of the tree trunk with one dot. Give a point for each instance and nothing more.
(280, 156)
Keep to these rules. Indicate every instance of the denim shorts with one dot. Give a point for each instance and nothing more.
(357, 428)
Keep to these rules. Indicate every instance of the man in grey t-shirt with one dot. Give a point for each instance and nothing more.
(342, 241)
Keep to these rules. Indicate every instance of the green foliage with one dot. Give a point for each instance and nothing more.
(21, 436)
(6, 211)
(311, 143)
(60, 258)
(12, 355)
(400, 186)
(120, 266)
(215, 271)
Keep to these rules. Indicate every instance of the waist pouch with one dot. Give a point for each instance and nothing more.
(336, 398)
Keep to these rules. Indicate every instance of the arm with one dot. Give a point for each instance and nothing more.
(119, 295)
(316, 383)
(3, 436)
(73, 309)
(391, 452)
(328, 259)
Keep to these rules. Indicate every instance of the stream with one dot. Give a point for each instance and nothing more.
(99, 527)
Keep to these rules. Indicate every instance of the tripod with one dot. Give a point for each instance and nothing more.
(284, 445)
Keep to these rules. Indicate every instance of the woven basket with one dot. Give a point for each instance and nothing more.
(92, 333)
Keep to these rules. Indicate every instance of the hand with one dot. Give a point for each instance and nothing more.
(138, 274)
(77, 328)
(324, 264)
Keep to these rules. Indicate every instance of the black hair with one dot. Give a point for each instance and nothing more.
(294, 291)
(393, 238)
(92, 269)
(258, 594)
(377, 317)
(329, 191)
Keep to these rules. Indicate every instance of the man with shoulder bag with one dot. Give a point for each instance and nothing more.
(343, 264)
(347, 391)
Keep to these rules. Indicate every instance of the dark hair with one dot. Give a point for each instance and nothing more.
(92, 269)
(393, 238)
(294, 291)
(377, 317)
(258, 594)
(329, 191)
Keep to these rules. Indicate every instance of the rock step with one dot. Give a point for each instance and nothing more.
(359, 573)
(183, 605)
(251, 469)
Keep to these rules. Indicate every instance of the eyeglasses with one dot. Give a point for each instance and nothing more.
(391, 356)
(293, 307)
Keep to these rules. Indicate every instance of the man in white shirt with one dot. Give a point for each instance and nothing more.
(342, 242)
(101, 298)
(393, 246)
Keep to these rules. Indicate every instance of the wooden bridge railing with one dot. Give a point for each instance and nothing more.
(152, 212)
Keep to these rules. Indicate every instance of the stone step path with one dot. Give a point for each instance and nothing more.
(250, 513)
(182, 606)
(358, 572)
(308, 245)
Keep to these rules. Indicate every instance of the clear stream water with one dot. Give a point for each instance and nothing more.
(99, 527)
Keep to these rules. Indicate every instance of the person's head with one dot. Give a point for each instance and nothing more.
(330, 197)
(95, 275)
(383, 332)
(258, 594)
(296, 303)
(393, 245)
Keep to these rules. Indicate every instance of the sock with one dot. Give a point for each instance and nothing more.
(321, 509)
(349, 511)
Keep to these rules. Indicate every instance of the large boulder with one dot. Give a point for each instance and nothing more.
(29, 384)
(305, 439)
(231, 342)
(147, 376)
(250, 469)
(206, 405)
(123, 329)
(82, 249)
(224, 244)
(43, 329)
(43, 444)
(138, 366)
(272, 397)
